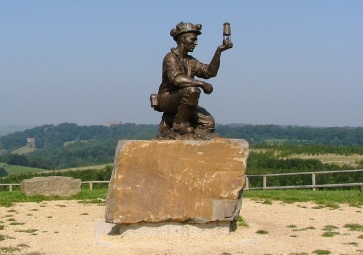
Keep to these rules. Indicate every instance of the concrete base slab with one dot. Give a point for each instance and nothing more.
(174, 229)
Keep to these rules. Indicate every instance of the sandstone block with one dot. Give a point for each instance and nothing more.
(177, 181)
(51, 186)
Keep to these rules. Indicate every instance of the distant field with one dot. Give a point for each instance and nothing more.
(99, 167)
(72, 142)
(350, 160)
(13, 169)
(276, 141)
(282, 141)
(23, 150)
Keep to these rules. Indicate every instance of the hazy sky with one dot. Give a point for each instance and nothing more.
(87, 62)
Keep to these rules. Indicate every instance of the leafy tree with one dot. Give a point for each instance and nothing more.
(3, 172)
(16, 159)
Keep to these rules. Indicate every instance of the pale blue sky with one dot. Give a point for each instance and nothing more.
(293, 62)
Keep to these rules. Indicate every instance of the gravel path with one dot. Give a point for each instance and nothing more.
(69, 227)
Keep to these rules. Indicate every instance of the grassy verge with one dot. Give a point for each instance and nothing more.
(328, 198)
(8, 198)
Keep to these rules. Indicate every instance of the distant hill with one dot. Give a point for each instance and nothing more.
(53, 136)
(4, 130)
(69, 145)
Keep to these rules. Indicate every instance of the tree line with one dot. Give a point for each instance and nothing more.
(92, 152)
(261, 134)
(69, 145)
(56, 135)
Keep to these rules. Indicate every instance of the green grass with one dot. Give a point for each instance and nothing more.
(30, 231)
(321, 252)
(14, 169)
(8, 250)
(352, 243)
(330, 227)
(267, 202)
(327, 198)
(87, 196)
(330, 234)
(354, 227)
(303, 229)
(15, 223)
(241, 222)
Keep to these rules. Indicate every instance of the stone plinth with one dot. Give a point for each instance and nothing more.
(177, 181)
(51, 186)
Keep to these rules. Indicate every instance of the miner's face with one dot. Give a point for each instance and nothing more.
(190, 40)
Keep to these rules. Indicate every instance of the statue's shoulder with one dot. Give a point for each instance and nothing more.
(171, 55)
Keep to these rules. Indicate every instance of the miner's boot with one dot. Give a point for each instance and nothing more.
(166, 123)
(181, 122)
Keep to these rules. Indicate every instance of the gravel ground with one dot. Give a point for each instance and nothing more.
(69, 227)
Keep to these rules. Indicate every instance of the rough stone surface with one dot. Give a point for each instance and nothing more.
(199, 134)
(51, 186)
(177, 181)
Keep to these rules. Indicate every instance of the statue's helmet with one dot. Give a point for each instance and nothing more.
(185, 28)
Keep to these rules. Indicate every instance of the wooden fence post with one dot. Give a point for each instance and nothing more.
(10, 188)
(247, 183)
(264, 181)
(91, 185)
(313, 181)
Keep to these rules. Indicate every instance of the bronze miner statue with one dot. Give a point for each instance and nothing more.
(179, 91)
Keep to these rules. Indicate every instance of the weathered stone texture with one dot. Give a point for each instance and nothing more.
(51, 186)
(180, 181)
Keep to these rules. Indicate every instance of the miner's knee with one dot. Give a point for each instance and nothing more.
(190, 96)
